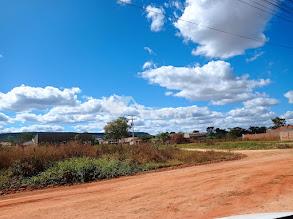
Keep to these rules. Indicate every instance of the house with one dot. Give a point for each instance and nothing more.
(130, 140)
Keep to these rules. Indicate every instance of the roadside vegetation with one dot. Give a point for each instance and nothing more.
(41, 166)
(238, 145)
(78, 161)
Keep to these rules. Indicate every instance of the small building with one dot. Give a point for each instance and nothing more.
(130, 140)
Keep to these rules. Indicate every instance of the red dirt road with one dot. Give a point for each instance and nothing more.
(262, 182)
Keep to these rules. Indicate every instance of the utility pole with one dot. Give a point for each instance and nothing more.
(132, 126)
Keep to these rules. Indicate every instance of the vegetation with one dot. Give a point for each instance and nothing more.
(35, 167)
(162, 138)
(238, 145)
(278, 122)
(212, 133)
(117, 129)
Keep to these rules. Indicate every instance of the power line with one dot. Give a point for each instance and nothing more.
(278, 5)
(283, 6)
(212, 28)
(265, 11)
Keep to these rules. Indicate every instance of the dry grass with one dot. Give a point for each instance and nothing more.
(46, 165)
(9, 155)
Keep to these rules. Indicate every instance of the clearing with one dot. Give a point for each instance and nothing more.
(262, 182)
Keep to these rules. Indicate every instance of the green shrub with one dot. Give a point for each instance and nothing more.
(76, 170)
(4, 180)
(27, 167)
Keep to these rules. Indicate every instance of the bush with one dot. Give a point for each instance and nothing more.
(4, 180)
(77, 170)
(27, 167)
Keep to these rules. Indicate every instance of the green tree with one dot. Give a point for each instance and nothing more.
(257, 130)
(117, 129)
(211, 132)
(278, 122)
(236, 132)
(163, 137)
(24, 136)
(220, 133)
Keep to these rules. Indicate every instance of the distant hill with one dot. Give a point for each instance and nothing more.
(26, 136)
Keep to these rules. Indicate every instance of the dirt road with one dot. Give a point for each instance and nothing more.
(262, 182)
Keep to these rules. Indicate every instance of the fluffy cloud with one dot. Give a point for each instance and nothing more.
(91, 110)
(26, 98)
(230, 16)
(156, 16)
(289, 95)
(249, 116)
(260, 101)
(93, 114)
(255, 112)
(215, 82)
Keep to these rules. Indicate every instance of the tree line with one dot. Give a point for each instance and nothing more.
(120, 128)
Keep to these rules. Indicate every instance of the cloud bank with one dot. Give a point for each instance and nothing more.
(92, 114)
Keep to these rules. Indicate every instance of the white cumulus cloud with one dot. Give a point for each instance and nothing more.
(260, 101)
(215, 82)
(201, 17)
(25, 97)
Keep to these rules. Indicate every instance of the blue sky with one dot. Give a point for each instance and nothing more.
(100, 48)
